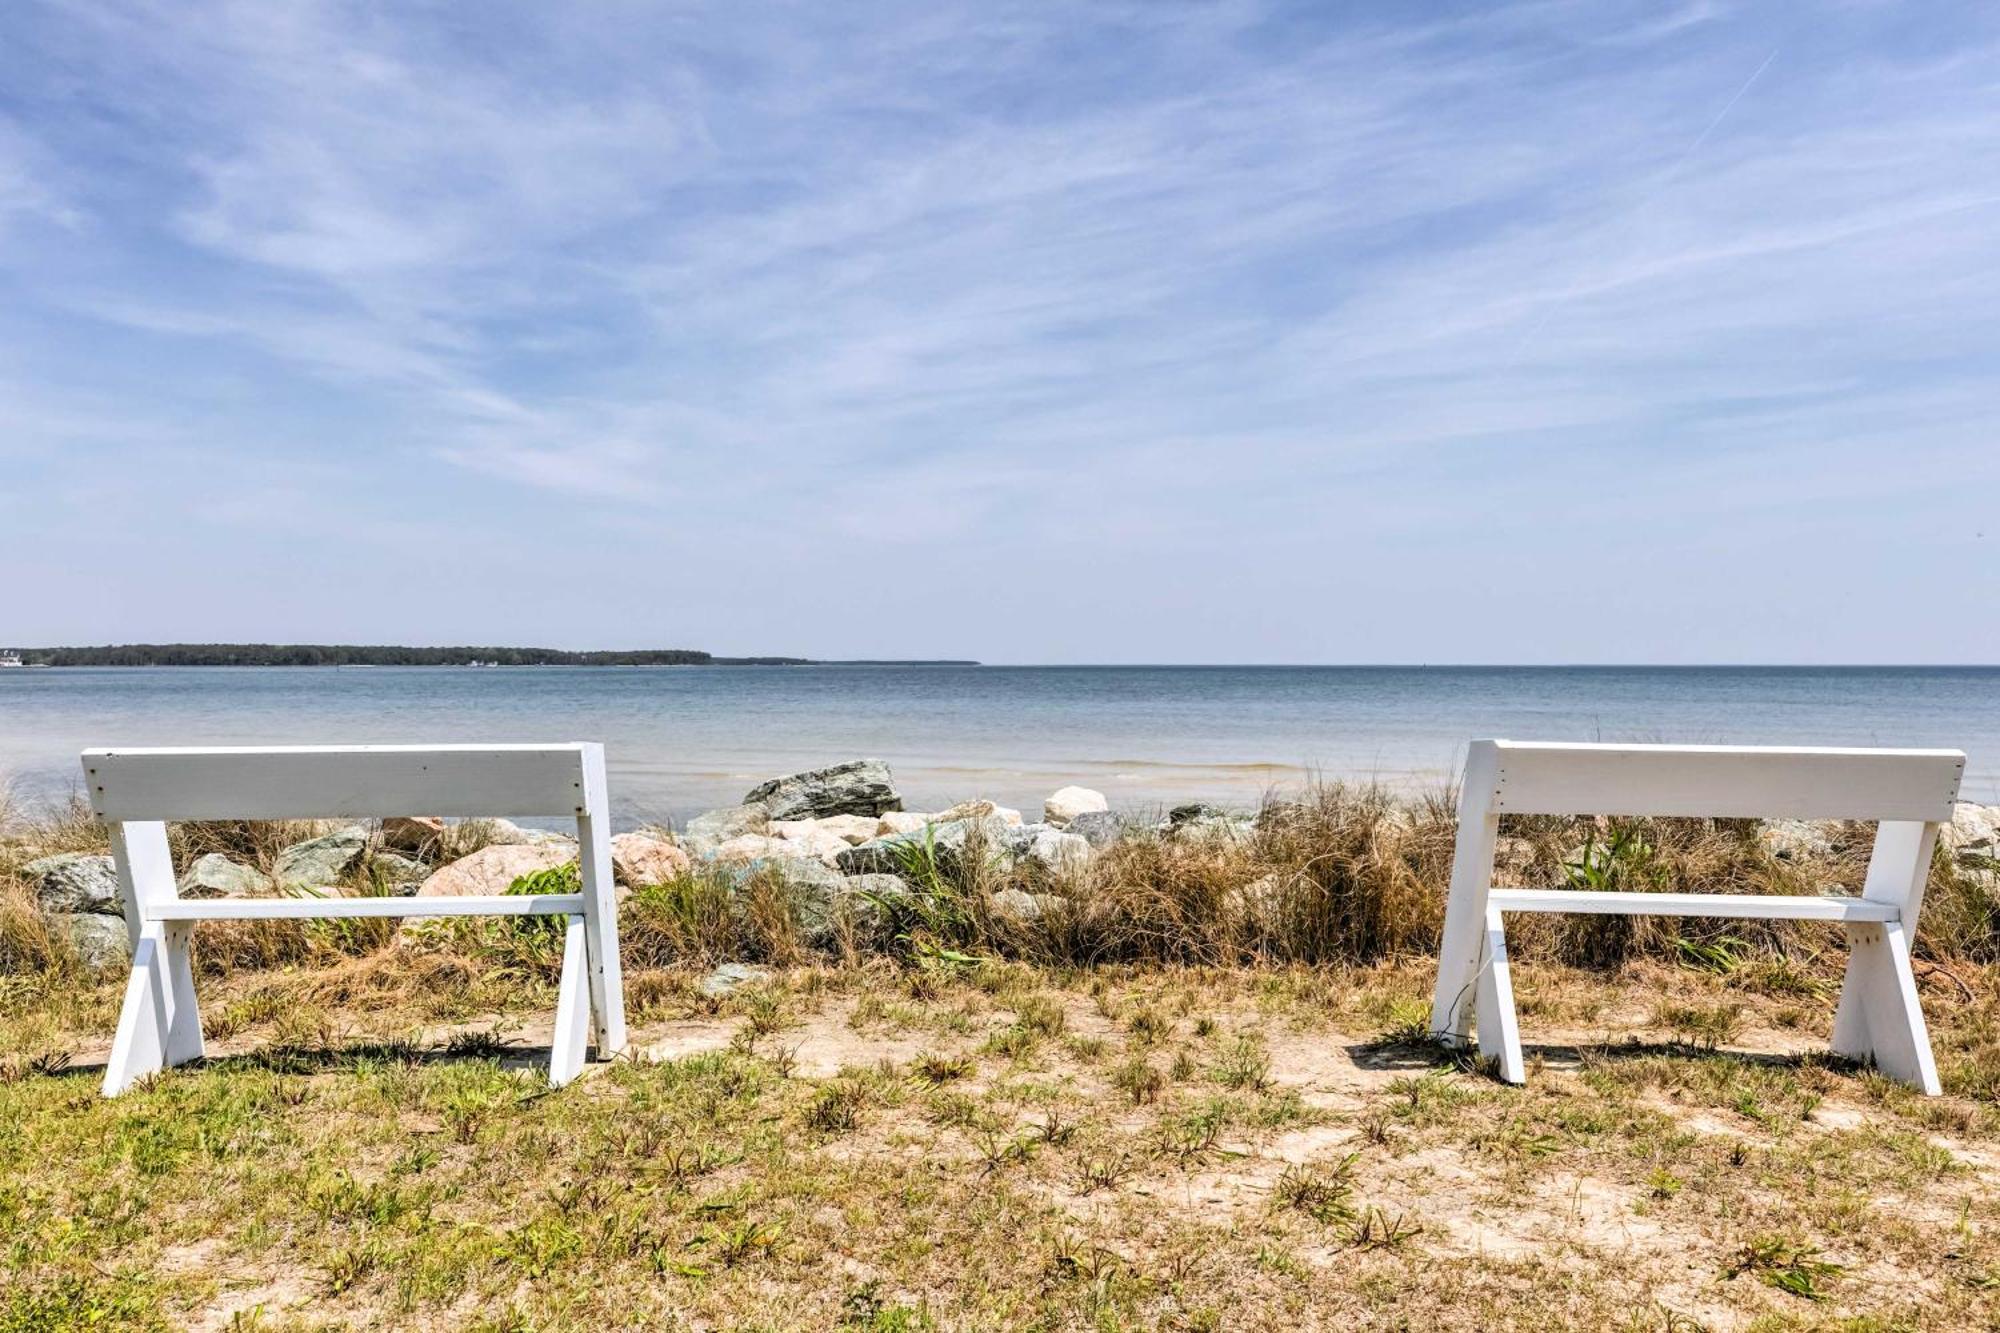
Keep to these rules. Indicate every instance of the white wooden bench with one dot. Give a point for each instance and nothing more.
(136, 791)
(1908, 793)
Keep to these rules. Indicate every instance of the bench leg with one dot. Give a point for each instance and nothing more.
(572, 1036)
(159, 1024)
(1879, 1018)
(1493, 1012)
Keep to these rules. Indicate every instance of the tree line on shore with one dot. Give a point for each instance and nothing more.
(324, 654)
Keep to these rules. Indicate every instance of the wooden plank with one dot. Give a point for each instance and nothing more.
(1742, 905)
(355, 781)
(295, 909)
(1744, 781)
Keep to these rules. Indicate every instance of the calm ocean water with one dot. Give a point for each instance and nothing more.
(683, 739)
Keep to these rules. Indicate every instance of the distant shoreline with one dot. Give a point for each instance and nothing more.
(389, 655)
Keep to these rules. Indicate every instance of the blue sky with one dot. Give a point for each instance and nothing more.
(1154, 332)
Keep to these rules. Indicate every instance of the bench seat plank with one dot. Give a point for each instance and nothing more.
(271, 909)
(1780, 907)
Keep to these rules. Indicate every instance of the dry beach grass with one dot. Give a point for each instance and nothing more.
(1192, 1093)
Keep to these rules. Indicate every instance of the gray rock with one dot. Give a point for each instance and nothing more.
(400, 875)
(705, 832)
(864, 905)
(100, 941)
(1193, 812)
(1020, 906)
(216, 876)
(1973, 835)
(949, 845)
(730, 976)
(75, 882)
(1798, 839)
(1099, 828)
(320, 863)
(858, 787)
(795, 872)
(1052, 849)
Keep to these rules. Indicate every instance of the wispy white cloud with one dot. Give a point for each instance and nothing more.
(1017, 280)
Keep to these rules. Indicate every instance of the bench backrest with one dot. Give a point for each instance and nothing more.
(1712, 781)
(356, 781)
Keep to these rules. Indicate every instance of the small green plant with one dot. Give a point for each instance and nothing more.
(1323, 1194)
(936, 1069)
(1138, 1080)
(1623, 863)
(1245, 1064)
(1787, 1264)
(836, 1107)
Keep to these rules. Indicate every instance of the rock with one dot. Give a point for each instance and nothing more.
(1070, 802)
(977, 810)
(1513, 858)
(76, 882)
(858, 787)
(319, 864)
(491, 870)
(419, 835)
(1798, 839)
(1210, 824)
(864, 905)
(216, 876)
(1052, 849)
(400, 876)
(762, 847)
(100, 941)
(902, 821)
(1099, 828)
(1020, 906)
(1973, 835)
(850, 829)
(1194, 812)
(814, 837)
(506, 833)
(1257, 903)
(705, 832)
(640, 858)
(729, 977)
(796, 872)
(949, 844)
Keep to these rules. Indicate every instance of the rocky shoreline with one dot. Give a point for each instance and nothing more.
(838, 838)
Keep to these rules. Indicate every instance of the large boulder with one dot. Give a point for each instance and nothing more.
(850, 829)
(491, 870)
(318, 865)
(216, 876)
(639, 858)
(977, 810)
(1798, 839)
(763, 847)
(1051, 849)
(398, 876)
(949, 844)
(1099, 828)
(864, 907)
(808, 839)
(1021, 907)
(75, 882)
(416, 835)
(705, 832)
(800, 874)
(1973, 835)
(101, 942)
(1067, 804)
(858, 787)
